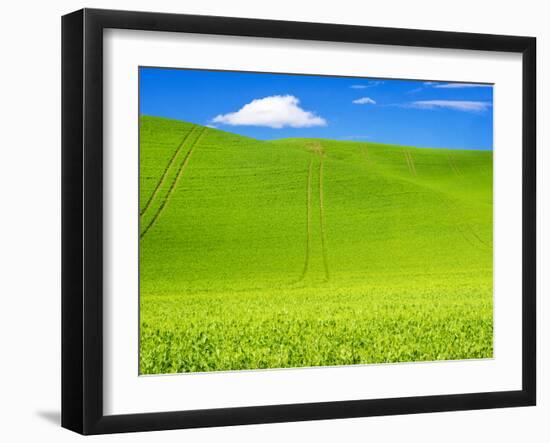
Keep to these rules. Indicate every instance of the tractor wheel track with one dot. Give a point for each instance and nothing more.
(308, 221)
(410, 162)
(321, 219)
(173, 185)
(453, 166)
(165, 172)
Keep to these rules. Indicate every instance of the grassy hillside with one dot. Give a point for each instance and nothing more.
(305, 252)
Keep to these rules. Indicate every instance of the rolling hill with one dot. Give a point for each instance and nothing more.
(306, 252)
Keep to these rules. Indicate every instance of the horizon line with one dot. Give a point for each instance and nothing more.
(315, 138)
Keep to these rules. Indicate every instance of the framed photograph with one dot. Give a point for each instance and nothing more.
(269, 221)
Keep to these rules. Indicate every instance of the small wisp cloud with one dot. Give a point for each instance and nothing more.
(460, 85)
(456, 105)
(276, 111)
(439, 85)
(370, 84)
(364, 101)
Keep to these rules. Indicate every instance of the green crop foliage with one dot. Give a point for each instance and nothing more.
(309, 252)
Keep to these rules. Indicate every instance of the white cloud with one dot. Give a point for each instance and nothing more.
(460, 85)
(358, 86)
(211, 126)
(364, 101)
(276, 111)
(457, 105)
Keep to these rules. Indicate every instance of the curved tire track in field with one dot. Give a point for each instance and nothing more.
(452, 164)
(468, 227)
(321, 218)
(317, 149)
(465, 227)
(308, 221)
(407, 161)
(165, 172)
(173, 185)
(410, 161)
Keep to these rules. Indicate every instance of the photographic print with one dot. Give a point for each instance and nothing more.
(290, 220)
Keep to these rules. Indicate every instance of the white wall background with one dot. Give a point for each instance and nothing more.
(30, 219)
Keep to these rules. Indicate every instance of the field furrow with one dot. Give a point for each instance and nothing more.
(165, 172)
(163, 199)
(308, 221)
(411, 162)
(452, 164)
(322, 219)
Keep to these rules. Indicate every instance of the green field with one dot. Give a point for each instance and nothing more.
(307, 252)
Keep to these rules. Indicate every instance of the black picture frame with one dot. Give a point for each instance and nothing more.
(82, 218)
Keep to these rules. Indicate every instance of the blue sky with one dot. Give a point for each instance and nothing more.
(271, 106)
